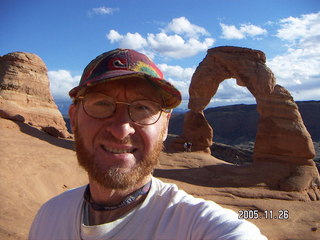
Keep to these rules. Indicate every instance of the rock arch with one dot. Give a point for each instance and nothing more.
(281, 134)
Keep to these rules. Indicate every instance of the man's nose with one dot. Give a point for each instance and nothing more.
(120, 124)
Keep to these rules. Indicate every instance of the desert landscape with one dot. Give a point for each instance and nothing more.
(38, 162)
(36, 166)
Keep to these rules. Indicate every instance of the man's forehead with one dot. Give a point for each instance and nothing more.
(132, 87)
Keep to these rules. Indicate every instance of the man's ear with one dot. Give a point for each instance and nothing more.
(72, 115)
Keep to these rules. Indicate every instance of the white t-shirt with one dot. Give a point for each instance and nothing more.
(166, 213)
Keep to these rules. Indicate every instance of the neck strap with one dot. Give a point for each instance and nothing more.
(127, 201)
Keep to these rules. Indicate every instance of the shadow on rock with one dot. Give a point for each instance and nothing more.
(35, 132)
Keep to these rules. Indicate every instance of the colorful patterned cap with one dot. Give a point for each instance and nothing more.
(126, 63)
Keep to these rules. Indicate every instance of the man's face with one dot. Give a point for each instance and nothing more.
(116, 152)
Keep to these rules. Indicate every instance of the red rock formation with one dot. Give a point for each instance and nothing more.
(281, 135)
(197, 131)
(25, 95)
(247, 66)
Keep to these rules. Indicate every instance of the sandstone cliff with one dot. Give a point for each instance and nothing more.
(25, 95)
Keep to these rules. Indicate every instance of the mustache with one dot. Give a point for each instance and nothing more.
(107, 137)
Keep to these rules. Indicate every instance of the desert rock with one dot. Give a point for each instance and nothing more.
(281, 135)
(247, 66)
(197, 131)
(25, 95)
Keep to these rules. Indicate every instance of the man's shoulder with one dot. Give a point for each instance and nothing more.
(175, 195)
(181, 201)
(162, 188)
(57, 218)
(67, 198)
(204, 217)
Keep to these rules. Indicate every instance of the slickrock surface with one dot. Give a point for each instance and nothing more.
(34, 167)
(25, 94)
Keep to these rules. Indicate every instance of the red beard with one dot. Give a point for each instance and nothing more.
(116, 178)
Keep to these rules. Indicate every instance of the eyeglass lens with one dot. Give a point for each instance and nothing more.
(144, 112)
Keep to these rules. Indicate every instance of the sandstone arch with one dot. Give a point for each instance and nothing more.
(281, 134)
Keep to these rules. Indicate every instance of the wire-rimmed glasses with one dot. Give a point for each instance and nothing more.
(142, 112)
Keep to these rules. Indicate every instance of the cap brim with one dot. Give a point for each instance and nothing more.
(170, 94)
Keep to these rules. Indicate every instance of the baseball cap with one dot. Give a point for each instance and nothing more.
(127, 63)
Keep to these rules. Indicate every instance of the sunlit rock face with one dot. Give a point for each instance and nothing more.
(25, 94)
(281, 134)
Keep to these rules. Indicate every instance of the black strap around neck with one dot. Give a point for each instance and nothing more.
(127, 201)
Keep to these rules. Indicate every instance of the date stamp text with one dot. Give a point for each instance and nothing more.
(281, 214)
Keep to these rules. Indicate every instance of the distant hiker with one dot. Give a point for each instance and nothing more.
(119, 116)
(189, 146)
(185, 146)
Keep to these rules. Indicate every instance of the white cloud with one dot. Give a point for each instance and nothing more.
(245, 30)
(61, 82)
(103, 10)
(229, 92)
(177, 72)
(307, 94)
(130, 40)
(180, 77)
(161, 42)
(231, 32)
(114, 36)
(187, 40)
(252, 30)
(296, 63)
(299, 29)
(182, 26)
(298, 69)
(175, 46)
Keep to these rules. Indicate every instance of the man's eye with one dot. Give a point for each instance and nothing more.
(146, 107)
(139, 107)
(102, 103)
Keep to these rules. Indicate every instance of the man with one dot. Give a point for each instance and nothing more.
(119, 117)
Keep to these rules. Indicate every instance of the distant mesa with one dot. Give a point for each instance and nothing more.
(25, 94)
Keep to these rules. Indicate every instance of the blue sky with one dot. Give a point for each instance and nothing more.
(67, 34)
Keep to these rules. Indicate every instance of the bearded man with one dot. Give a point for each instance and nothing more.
(119, 116)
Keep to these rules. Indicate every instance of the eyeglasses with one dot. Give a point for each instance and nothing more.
(142, 112)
